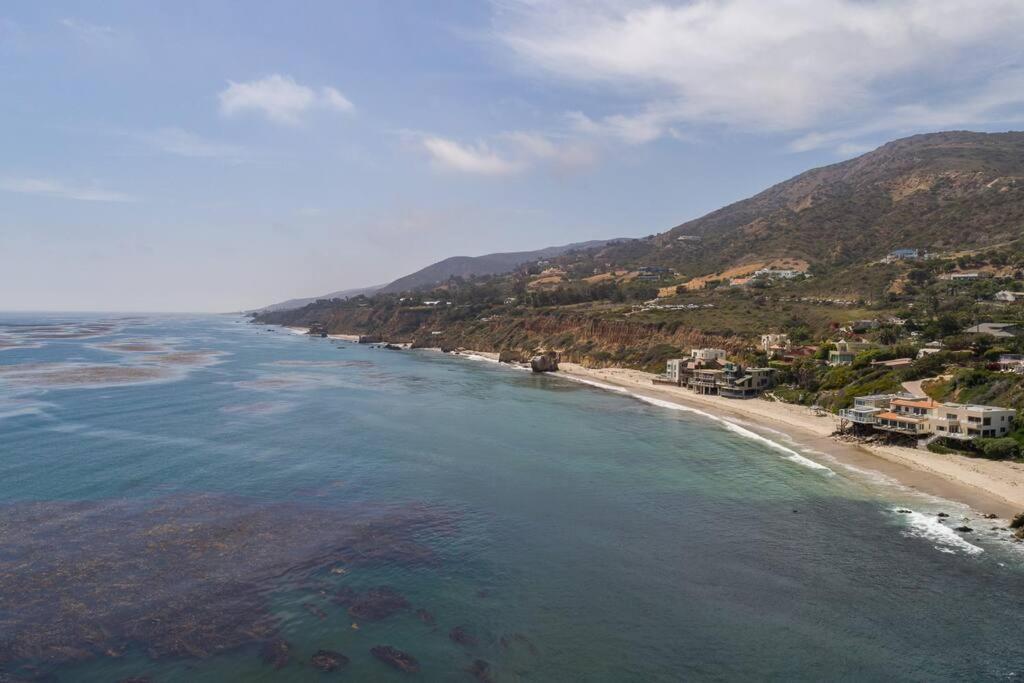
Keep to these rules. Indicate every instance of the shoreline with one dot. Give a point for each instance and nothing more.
(985, 485)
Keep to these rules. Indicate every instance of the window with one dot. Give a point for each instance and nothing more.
(987, 421)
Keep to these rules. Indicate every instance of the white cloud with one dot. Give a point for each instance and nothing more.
(280, 99)
(183, 143)
(476, 159)
(788, 66)
(55, 188)
(87, 32)
(507, 153)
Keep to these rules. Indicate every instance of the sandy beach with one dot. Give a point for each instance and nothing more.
(985, 485)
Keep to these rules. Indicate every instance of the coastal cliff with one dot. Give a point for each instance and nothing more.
(588, 340)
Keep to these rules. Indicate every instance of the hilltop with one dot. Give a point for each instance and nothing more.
(809, 257)
(941, 191)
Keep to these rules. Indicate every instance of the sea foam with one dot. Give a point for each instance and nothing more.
(920, 525)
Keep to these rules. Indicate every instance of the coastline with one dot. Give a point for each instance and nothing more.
(985, 485)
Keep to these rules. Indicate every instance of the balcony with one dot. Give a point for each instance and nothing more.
(863, 417)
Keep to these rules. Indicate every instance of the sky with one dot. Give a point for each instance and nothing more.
(219, 156)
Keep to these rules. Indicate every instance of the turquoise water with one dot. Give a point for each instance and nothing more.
(176, 492)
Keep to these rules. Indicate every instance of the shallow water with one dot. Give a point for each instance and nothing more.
(177, 492)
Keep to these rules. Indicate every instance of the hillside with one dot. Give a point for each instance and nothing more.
(940, 191)
(637, 302)
(454, 266)
(292, 304)
(488, 264)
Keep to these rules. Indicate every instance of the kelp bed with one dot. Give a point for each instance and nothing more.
(179, 577)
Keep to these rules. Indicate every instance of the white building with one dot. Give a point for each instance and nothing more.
(1008, 296)
(706, 355)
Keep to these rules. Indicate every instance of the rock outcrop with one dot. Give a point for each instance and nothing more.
(544, 362)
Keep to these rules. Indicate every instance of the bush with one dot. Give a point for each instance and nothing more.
(998, 449)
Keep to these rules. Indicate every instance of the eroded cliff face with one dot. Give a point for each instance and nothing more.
(578, 338)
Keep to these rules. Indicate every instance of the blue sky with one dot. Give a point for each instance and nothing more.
(222, 155)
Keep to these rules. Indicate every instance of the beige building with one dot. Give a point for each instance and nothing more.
(775, 344)
(846, 351)
(706, 355)
(962, 421)
(903, 414)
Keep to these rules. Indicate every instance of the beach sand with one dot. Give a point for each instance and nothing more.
(985, 485)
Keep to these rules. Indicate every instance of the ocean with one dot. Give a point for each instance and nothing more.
(196, 498)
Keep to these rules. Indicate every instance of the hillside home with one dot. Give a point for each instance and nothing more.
(966, 275)
(929, 348)
(846, 351)
(999, 330)
(777, 273)
(1008, 296)
(707, 355)
(775, 345)
(895, 363)
(904, 255)
(1011, 362)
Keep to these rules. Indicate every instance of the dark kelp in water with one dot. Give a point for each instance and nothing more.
(186, 576)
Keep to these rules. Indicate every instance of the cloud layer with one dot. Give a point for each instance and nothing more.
(281, 99)
(793, 65)
(54, 188)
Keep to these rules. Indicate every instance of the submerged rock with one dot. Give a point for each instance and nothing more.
(396, 658)
(990, 516)
(509, 639)
(462, 637)
(276, 653)
(943, 514)
(904, 511)
(425, 616)
(328, 660)
(480, 670)
(378, 603)
(964, 529)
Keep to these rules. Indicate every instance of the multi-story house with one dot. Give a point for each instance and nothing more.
(846, 351)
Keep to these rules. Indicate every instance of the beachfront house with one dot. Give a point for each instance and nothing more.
(775, 345)
(732, 380)
(679, 370)
(921, 416)
(846, 351)
(964, 421)
(866, 409)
